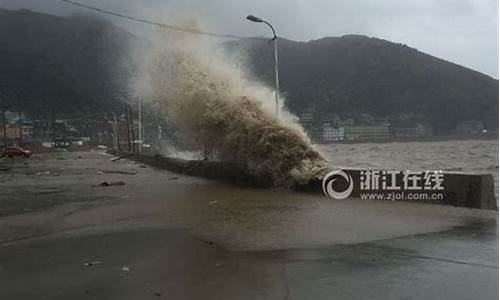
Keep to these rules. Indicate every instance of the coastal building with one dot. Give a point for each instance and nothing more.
(410, 131)
(366, 133)
(332, 134)
(470, 127)
(13, 132)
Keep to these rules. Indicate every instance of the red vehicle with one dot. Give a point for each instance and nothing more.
(16, 151)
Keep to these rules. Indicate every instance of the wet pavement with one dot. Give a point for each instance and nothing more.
(169, 236)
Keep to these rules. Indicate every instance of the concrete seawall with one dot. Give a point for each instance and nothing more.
(228, 172)
(460, 189)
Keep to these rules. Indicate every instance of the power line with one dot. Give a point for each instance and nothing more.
(85, 117)
(149, 22)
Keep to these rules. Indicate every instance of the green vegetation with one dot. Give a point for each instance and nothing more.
(355, 76)
(65, 67)
(55, 67)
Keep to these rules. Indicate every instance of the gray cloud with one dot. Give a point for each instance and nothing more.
(460, 31)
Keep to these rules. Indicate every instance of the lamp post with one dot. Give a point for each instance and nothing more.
(275, 39)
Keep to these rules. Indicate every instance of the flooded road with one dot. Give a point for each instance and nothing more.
(188, 238)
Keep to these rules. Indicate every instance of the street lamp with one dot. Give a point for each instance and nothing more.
(275, 39)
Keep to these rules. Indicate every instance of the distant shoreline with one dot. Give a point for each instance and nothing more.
(439, 138)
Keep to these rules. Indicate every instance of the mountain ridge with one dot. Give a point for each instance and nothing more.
(353, 76)
(55, 65)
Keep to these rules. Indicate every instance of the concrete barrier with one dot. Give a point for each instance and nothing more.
(459, 189)
(228, 172)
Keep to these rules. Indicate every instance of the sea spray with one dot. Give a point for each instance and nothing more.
(208, 96)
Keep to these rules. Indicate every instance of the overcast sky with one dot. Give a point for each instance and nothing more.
(461, 31)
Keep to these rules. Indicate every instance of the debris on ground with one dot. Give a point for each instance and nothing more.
(5, 168)
(50, 192)
(40, 173)
(173, 178)
(92, 263)
(121, 157)
(125, 270)
(143, 166)
(110, 183)
(119, 172)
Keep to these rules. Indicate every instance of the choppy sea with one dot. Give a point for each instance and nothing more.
(471, 156)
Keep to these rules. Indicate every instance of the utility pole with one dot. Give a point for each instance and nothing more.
(20, 129)
(4, 128)
(131, 120)
(160, 134)
(140, 125)
(128, 127)
(115, 133)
